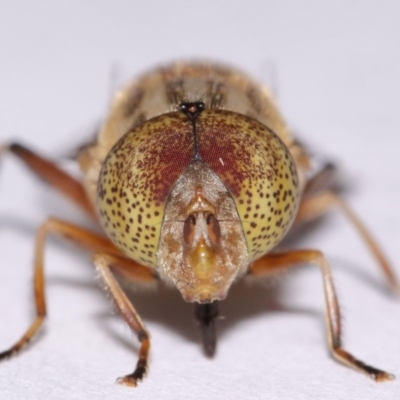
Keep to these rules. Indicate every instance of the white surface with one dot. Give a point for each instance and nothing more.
(337, 67)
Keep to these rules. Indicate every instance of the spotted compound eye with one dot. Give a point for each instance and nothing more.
(136, 179)
(144, 167)
(257, 169)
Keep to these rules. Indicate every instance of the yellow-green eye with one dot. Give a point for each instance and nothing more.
(135, 182)
(257, 169)
(142, 169)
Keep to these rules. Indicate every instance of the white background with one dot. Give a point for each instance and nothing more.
(335, 67)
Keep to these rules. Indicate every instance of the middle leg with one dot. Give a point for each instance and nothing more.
(314, 206)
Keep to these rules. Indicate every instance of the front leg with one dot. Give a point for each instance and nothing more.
(110, 257)
(104, 262)
(272, 263)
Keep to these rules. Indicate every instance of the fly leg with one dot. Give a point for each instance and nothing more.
(52, 175)
(105, 263)
(90, 241)
(318, 204)
(325, 179)
(273, 263)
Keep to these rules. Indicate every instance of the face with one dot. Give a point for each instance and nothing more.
(202, 244)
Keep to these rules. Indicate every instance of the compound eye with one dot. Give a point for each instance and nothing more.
(188, 229)
(214, 230)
